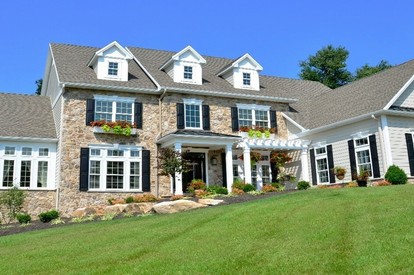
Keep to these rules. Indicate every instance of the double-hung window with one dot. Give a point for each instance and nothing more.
(192, 113)
(113, 68)
(246, 79)
(115, 168)
(253, 115)
(322, 169)
(114, 108)
(188, 73)
(363, 155)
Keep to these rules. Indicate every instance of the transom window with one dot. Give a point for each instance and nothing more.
(253, 115)
(115, 169)
(363, 155)
(114, 109)
(9, 150)
(322, 168)
(246, 79)
(188, 72)
(113, 68)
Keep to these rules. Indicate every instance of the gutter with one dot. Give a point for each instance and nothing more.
(43, 140)
(108, 87)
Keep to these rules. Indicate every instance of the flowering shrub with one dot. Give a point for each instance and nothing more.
(176, 197)
(237, 191)
(269, 188)
(200, 193)
(196, 184)
(254, 157)
(145, 198)
(117, 127)
(381, 183)
(279, 158)
(116, 201)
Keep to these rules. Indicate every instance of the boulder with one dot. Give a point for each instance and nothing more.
(115, 209)
(209, 201)
(84, 212)
(139, 208)
(176, 206)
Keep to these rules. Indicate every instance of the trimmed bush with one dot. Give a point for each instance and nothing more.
(303, 185)
(48, 216)
(396, 175)
(23, 218)
(215, 189)
(11, 203)
(243, 186)
(129, 199)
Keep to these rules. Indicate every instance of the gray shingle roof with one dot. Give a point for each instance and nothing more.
(361, 97)
(26, 116)
(72, 66)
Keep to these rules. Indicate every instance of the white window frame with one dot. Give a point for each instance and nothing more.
(321, 156)
(34, 159)
(246, 78)
(254, 108)
(127, 159)
(114, 100)
(193, 102)
(116, 70)
(188, 73)
(360, 148)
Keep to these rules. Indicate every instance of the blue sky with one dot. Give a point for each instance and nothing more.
(278, 34)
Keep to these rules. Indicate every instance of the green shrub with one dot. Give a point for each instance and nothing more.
(248, 188)
(396, 175)
(196, 184)
(12, 201)
(129, 199)
(215, 189)
(276, 184)
(303, 185)
(48, 216)
(23, 218)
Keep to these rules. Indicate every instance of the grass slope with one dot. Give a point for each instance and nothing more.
(357, 230)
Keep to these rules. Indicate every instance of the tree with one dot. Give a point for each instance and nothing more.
(327, 66)
(367, 70)
(38, 83)
(171, 162)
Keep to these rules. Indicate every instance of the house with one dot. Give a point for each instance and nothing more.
(198, 104)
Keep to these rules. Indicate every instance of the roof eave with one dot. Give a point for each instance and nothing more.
(108, 87)
(31, 139)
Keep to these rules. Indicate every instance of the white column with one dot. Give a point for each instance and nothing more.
(304, 163)
(229, 167)
(178, 176)
(387, 144)
(247, 166)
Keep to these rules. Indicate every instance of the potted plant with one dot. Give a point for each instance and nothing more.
(254, 157)
(339, 172)
(117, 127)
(362, 178)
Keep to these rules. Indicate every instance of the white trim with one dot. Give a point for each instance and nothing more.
(360, 135)
(114, 98)
(398, 94)
(109, 87)
(235, 64)
(253, 107)
(176, 56)
(192, 101)
(292, 121)
(145, 70)
(128, 55)
(386, 140)
(29, 139)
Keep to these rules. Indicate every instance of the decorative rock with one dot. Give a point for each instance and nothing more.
(176, 206)
(210, 201)
(83, 212)
(139, 208)
(115, 209)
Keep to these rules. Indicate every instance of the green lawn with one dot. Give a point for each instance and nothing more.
(355, 230)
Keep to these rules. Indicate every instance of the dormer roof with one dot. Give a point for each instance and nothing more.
(241, 61)
(176, 57)
(101, 52)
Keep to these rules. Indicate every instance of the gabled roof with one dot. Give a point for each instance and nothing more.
(358, 98)
(180, 53)
(26, 116)
(101, 52)
(236, 63)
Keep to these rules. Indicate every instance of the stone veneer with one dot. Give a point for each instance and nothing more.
(75, 135)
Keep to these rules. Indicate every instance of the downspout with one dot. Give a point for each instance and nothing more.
(58, 170)
(158, 135)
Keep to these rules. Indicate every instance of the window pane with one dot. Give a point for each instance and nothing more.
(361, 142)
(235, 171)
(364, 161)
(103, 110)
(192, 116)
(261, 118)
(115, 153)
(25, 173)
(265, 174)
(42, 174)
(94, 174)
(115, 175)
(95, 152)
(43, 152)
(245, 117)
(254, 174)
(320, 151)
(113, 68)
(26, 151)
(9, 150)
(134, 153)
(124, 111)
(246, 79)
(188, 72)
(8, 171)
(322, 170)
(134, 175)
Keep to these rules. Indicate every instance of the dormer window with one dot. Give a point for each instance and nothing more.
(246, 79)
(188, 72)
(113, 68)
(185, 67)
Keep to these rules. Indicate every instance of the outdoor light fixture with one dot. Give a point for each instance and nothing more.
(213, 160)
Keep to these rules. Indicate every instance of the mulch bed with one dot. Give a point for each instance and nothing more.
(14, 228)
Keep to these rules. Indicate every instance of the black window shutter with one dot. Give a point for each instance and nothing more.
(206, 117)
(273, 119)
(180, 116)
(138, 114)
(313, 166)
(410, 151)
(146, 167)
(274, 172)
(90, 111)
(224, 170)
(84, 169)
(352, 160)
(234, 119)
(330, 164)
(374, 156)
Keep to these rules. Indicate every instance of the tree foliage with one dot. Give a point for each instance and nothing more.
(38, 83)
(327, 66)
(367, 70)
(172, 162)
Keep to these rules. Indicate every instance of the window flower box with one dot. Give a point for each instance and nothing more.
(257, 132)
(117, 128)
(100, 130)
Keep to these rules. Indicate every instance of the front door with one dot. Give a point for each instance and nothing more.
(198, 169)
